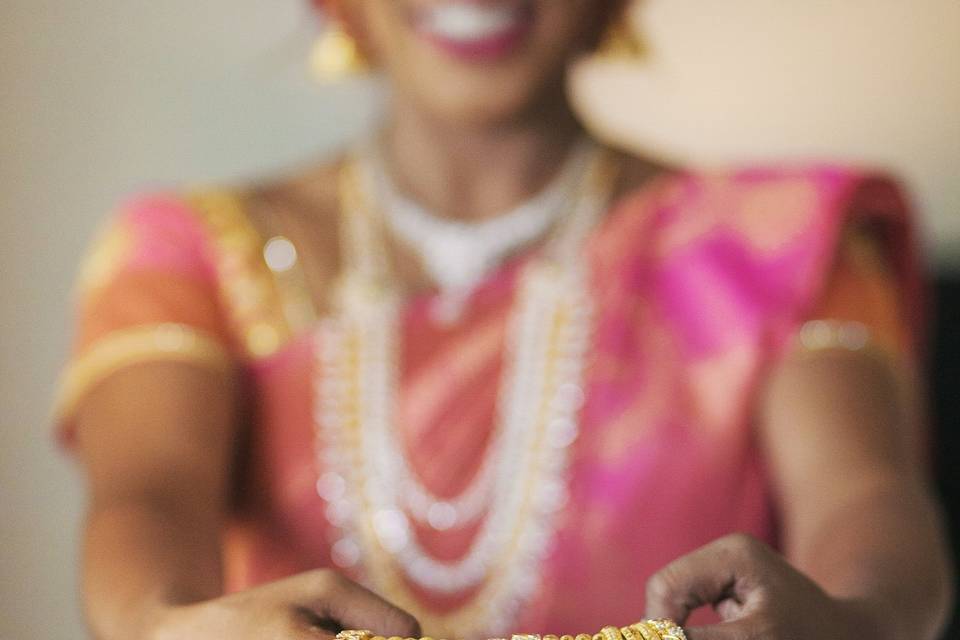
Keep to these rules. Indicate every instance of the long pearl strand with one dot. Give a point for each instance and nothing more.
(443, 244)
(367, 480)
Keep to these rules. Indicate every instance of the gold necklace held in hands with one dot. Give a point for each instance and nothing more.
(660, 629)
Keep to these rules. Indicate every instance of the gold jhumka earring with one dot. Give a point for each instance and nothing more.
(622, 42)
(336, 55)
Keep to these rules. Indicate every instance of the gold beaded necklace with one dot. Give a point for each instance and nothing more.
(655, 629)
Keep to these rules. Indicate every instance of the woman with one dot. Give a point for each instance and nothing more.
(507, 378)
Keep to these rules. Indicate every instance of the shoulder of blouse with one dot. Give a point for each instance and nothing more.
(771, 207)
(759, 239)
(206, 235)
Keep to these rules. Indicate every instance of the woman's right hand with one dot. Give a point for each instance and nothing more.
(310, 605)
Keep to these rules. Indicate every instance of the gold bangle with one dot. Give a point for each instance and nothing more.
(611, 633)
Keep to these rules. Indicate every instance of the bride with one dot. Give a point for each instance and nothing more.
(504, 376)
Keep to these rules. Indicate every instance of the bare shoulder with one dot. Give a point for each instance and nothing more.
(309, 194)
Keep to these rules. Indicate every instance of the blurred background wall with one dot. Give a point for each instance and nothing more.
(99, 99)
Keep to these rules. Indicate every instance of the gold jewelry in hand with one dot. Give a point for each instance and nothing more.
(662, 629)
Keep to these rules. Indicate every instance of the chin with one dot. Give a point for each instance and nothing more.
(476, 62)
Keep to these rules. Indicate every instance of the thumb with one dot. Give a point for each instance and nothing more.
(343, 604)
(707, 576)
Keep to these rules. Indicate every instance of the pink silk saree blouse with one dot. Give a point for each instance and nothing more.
(700, 283)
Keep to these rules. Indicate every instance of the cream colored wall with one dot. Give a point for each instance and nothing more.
(875, 81)
(98, 99)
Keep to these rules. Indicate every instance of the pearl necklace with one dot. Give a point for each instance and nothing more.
(371, 489)
(418, 500)
(456, 255)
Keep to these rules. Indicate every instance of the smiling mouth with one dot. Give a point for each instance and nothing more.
(475, 31)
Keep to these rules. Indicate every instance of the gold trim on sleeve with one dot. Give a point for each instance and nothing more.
(168, 342)
(822, 335)
(104, 257)
(828, 335)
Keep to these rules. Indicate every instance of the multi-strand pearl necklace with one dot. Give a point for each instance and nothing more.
(372, 491)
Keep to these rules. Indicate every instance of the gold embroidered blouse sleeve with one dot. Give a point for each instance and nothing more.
(861, 311)
(175, 280)
(860, 308)
(171, 342)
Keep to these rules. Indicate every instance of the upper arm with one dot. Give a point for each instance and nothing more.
(159, 431)
(836, 422)
(147, 398)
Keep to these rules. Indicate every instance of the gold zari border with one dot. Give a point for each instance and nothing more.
(168, 342)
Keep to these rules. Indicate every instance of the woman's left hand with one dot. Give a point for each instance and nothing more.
(758, 595)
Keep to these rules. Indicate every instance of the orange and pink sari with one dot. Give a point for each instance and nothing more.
(700, 282)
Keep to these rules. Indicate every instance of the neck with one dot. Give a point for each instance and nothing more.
(476, 172)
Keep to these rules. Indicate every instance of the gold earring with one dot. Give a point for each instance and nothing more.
(621, 42)
(335, 56)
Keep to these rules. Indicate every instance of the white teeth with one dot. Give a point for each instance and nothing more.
(468, 21)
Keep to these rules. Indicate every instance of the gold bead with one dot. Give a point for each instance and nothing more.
(646, 631)
(611, 633)
(629, 633)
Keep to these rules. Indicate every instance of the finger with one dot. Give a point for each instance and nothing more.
(343, 602)
(714, 573)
